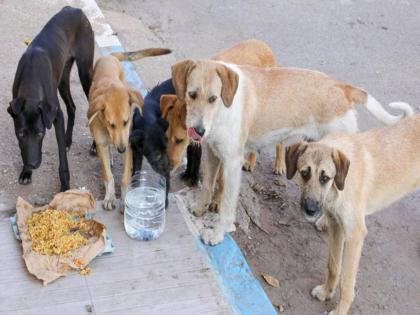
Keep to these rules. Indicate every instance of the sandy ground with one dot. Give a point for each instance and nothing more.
(373, 44)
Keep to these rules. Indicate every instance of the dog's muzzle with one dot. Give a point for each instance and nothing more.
(196, 133)
(311, 207)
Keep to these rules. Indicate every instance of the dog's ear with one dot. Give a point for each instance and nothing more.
(230, 81)
(137, 138)
(15, 107)
(180, 72)
(167, 103)
(48, 112)
(342, 164)
(136, 98)
(163, 124)
(293, 152)
(97, 105)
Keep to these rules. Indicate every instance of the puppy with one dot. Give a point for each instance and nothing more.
(237, 108)
(109, 115)
(148, 134)
(45, 67)
(347, 177)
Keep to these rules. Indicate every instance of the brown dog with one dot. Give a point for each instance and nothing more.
(346, 177)
(110, 115)
(237, 108)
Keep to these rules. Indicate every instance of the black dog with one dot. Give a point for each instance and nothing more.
(148, 134)
(148, 139)
(44, 68)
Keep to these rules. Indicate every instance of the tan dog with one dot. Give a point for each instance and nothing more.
(110, 115)
(237, 108)
(250, 52)
(347, 177)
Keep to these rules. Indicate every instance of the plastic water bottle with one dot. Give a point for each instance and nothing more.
(144, 213)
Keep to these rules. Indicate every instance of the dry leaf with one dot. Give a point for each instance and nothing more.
(274, 282)
(281, 308)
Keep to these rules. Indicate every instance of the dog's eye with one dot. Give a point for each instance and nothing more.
(125, 123)
(306, 174)
(323, 179)
(178, 141)
(193, 94)
(113, 126)
(212, 98)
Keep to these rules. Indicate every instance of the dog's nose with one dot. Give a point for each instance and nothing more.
(200, 130)
(121, 149)
(311, 206)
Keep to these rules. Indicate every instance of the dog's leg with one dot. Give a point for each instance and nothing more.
(137, 161)
(280, 165)
(64, 89)
(126, 178)
(211, 166)
(103, 154)
(250, 162)
(215, 205)
(84, 60)
(352, 252)
(60, 135)
(335, 253)
(192, 173)
(232, 181)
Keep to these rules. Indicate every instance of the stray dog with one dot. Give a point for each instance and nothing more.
(346, 177)
(148, 134)
(45, 67)
(174, 110)
(110, 115)
(235, 107)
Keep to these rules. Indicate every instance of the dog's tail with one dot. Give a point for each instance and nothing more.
(358, 96)
(139, 54)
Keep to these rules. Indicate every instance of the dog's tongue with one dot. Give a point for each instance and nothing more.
(193, 134)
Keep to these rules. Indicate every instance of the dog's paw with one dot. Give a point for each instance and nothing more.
(109, 204)
(279, 170)
(321, 293)
(248, 166)
(25, 177)
(321, 224)
(213, 236)
(213, 207)
(92, 150)
(69, 142)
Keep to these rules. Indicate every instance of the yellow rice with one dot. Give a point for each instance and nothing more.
(55, 232)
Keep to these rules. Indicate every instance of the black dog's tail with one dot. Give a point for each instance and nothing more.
(139, 54)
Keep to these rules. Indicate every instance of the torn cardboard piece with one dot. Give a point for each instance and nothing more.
(49, 268)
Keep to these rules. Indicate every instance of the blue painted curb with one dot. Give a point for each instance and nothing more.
(243, 292)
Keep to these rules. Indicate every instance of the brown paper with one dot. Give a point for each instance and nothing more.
(49, 268)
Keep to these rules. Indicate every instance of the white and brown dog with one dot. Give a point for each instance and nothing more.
(347, 177)
(237, 108)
